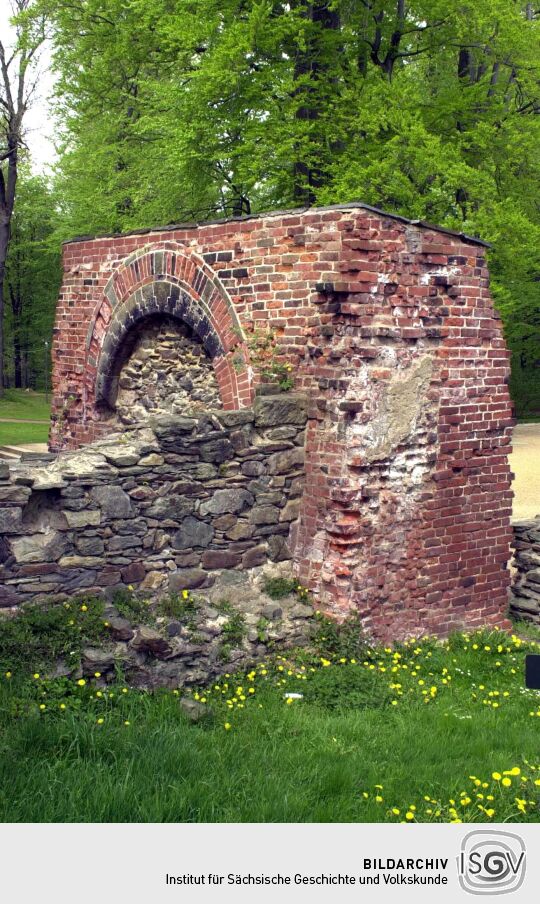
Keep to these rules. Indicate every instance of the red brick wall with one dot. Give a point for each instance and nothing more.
(391, 330)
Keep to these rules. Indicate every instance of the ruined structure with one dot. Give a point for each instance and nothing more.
(393, 339)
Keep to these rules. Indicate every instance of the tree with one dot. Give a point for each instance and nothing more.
(32, 282)
(192, 109)
(16, 90)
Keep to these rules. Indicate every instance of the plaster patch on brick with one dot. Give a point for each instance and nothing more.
(399, 408)
(448, 272)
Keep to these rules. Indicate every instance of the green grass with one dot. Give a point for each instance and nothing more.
(17, 434)
(316, 759)
(25, 406)
(30, 406)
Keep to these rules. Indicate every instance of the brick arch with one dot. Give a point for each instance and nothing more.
(168, 279)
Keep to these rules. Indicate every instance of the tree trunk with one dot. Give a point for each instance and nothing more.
(4, 242)
(311, 62)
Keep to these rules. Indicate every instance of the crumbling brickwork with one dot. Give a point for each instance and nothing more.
(392, 334)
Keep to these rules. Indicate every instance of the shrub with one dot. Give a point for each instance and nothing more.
(345, 638)
(180, 606)
(278, 588)
(133, 607)
(234, 629)
(39, 636)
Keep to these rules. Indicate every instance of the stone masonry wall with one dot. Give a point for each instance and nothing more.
(161, 508)
(391, 333)
(525, 597)
(167, 372)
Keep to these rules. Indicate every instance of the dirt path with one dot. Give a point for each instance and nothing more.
(525, 463)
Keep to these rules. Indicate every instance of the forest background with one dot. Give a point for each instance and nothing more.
(180, 110)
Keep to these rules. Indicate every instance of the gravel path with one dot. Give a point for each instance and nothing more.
(525, 463)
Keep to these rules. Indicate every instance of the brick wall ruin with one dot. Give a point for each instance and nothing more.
(391, 334)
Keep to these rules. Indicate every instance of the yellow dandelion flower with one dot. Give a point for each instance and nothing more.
(81, 682)
(227, 726)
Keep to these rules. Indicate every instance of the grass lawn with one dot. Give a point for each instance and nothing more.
(29, 406)
(425, 731)
(24, 406)
(15, 434)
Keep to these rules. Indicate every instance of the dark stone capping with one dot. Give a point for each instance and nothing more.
(295, 211)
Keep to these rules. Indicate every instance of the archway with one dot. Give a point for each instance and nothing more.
(167, 281)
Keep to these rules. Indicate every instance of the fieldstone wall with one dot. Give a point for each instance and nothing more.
(162, 507)
(525, 594)
(224, 628)
(164, 370)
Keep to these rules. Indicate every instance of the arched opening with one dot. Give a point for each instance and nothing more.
(181, 324)
(161, 367)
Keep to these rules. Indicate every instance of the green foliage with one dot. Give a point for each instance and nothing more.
(234, 629)
(262, 629)
(346, 688)
(224, 607)
(264, 355)
(135, 608)
(341, 639)
(32, 282)
(176, 605)
(40, 635)
(172, 111)
(96, 753)
(224, 652)
(278, 588)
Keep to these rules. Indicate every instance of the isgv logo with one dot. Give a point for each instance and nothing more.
(491, 863)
